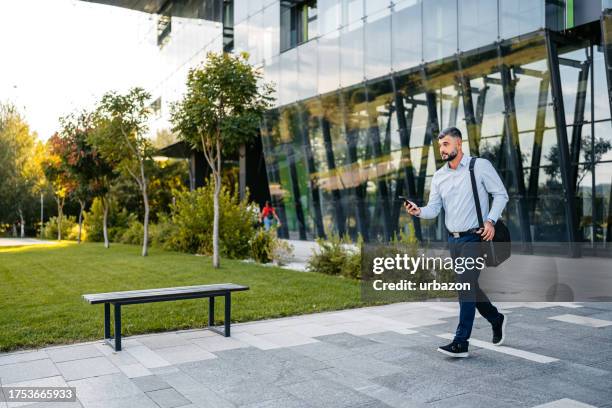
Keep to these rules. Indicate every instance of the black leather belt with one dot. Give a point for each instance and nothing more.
(463, 233)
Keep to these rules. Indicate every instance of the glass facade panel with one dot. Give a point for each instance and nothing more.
(520, 16)
(352, 10)
(440, 31)
(307, 69)
(478, 23)
(406, 38)
(288, 86)
(329, 62)
(241, 10)
(271, 32)
(351, 54)
(374, 6)
(330, 15)
(256, 38)
(378, 44)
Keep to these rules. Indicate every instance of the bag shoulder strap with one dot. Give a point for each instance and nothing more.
(475, 192)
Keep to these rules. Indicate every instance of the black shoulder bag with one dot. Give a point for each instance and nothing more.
(498, 250)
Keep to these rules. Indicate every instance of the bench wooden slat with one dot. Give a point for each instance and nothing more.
(95, 298)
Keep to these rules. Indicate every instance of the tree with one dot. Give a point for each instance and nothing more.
(19, 174)
(222, 110)
(83, 162)
(56, 172)
(120, 137)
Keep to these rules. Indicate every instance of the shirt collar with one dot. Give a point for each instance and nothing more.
(465, 161)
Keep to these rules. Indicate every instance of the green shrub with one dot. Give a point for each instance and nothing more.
(68, 224)
(133, 233)
(331, 256)
(192, 214)
(262, 246)
(118, 221)
(160, 233)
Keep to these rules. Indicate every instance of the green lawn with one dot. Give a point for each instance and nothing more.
(41, 288)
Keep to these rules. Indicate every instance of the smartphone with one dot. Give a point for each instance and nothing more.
(406, 200)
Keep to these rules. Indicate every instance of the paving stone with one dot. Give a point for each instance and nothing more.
(320, 393)
(90, 367)
(150, 383)
(399, 340)
(564, 403)
(22, 357)
(184, 354)
(364, 366)
(168, 398)
(422, 388)
(135, 370)
(346, 340)
(113, 386)
(69, 353)
(469, 400)
(322, 351)
(218, 343)
(253, 391)
(389, 397)
(147, 357)
(28, 370)
(195, 391)
(134, 401)
(163, 340)
(289, 402)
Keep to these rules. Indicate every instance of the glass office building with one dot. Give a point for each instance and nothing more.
(364, 87)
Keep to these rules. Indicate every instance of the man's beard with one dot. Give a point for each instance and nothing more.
(450, 156)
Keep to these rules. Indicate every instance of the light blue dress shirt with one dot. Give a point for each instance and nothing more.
(452, 189)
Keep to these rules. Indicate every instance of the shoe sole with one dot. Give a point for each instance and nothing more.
(499, 343)
(456, 355)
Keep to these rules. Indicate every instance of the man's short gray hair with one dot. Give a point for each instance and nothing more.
(450, 131)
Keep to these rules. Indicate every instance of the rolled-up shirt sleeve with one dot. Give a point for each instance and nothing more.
(494, 186)
(434, 205)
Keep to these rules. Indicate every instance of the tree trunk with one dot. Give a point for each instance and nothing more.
(22, 223)
(105, 206)
(216, 221)
(145, 198)
(60, 214)
(217, 177)
(80, 220)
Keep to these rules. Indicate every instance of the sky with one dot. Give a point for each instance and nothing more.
(60, 56)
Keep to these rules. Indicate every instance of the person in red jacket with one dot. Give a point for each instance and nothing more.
(267, 215)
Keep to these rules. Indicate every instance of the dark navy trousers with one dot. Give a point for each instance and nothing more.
(468, 246)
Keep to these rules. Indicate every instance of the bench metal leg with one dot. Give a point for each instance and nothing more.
(228, 314)
(107, 321)
(211, 311)
(117, 327)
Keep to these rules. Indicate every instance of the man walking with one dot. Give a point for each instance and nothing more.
(451, 188)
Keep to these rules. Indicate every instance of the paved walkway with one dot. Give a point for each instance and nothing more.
(5, 242)
(557, 355)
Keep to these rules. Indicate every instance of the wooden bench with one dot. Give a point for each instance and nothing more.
(117, 299)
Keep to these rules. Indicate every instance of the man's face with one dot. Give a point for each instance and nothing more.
(449, 147)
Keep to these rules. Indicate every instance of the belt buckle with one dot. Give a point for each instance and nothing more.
(456, 234)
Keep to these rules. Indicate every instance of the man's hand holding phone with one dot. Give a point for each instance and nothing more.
(411, 208)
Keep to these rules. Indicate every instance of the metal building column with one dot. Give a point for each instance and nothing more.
(295, 189)
(571, 216)
(331, 165)
(583, 78)
(606, 34)
(312, 170)
(538, 139)
(404, 122)
(514, 149)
